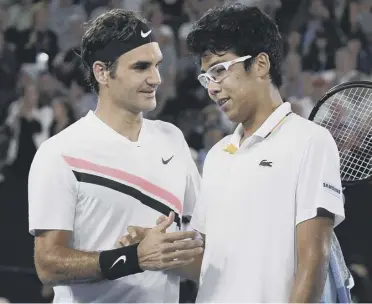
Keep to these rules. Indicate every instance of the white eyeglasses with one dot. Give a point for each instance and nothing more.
(218, 72)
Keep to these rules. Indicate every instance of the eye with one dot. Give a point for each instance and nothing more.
(218, 70)
(141, 66)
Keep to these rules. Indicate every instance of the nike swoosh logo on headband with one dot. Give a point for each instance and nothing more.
(144, 35)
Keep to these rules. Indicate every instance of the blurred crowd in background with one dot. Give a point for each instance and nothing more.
(43, 90)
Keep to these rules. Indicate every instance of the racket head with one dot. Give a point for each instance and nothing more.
(346, 111)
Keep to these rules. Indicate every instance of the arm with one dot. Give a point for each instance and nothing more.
(313, 239)
(319, 208)
(56, 264)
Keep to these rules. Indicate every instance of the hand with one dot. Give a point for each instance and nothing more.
(160, 250)
(136, 234)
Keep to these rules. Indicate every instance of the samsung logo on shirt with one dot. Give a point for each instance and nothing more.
(330, 187)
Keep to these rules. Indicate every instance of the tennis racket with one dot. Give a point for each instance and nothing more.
(346, 111)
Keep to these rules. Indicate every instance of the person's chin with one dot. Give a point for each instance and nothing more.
(148, 105)
(232, 115)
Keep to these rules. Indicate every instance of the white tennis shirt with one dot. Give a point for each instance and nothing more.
(92, 181)
(252, 200)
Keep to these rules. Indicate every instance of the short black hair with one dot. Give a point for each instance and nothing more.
(240, 29)
(115, 25)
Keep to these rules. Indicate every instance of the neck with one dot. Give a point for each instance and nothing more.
(122, 121)
(255, 121)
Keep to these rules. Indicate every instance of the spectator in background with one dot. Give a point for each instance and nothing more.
(320, 55)
(190, 122)
(362, 53)
(346, 67)
(293, 43)
(165, 37)
(81, 99)
(28, 75)
(364, 19)
(8, 72)
(3, 18)
(212, 135)
(25, 124)
(321, 36)
(91, 5)
(71, 37)
(63, 116)
(38, 39)
(20, 15)
(293, 83)
(60, 12)
(49, 87)
(186, 68)
(67, 67)
(112, 4)
(134, 5)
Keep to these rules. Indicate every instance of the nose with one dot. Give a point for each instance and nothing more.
(213, 89)
(154, 78)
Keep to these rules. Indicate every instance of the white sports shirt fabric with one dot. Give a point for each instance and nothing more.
(252, 200)
(92, 181)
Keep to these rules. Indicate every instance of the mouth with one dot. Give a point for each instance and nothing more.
(150, 93)
(222, 101)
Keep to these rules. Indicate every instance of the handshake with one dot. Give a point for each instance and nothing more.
(159, 250)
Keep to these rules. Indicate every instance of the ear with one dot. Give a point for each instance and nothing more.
(262, 65)
(100, 72)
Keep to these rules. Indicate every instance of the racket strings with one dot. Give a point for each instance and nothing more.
(348, 116)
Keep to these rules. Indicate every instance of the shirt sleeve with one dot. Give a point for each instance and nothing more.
(52, 193)
(319, 183)
(193, 182)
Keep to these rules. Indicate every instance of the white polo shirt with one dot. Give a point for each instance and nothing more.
(92, 181)
(252, 200)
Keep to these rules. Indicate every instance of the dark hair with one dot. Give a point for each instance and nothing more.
(240, 29)
(115, 25)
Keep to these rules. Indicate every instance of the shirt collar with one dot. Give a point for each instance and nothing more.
(264, 131)
(108, 130)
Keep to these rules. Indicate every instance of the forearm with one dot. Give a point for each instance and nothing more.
(309, 283)
(62, 266)
(191, 271)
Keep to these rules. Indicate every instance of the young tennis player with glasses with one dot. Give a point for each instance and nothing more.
(271, 192)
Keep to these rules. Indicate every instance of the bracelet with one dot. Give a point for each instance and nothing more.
(119, 262)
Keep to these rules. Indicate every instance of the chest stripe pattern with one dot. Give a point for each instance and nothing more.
(127, 188)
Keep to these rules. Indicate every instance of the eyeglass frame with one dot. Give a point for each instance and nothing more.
(226, 65)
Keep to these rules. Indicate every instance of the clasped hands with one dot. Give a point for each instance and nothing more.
(161, 250)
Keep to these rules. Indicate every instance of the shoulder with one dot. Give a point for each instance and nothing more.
(62, 142)
(164, 129)
(311, 130)
(304, 131)
(312, 138)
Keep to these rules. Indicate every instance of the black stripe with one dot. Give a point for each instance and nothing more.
(143, 198)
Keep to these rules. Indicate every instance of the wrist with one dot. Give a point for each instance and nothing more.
(119, 262)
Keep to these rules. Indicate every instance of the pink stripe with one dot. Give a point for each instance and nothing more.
(127, 177)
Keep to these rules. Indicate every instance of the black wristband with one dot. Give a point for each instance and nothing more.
(119, 262)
